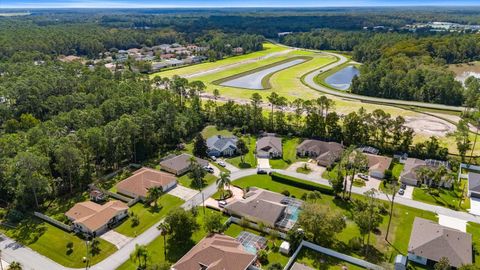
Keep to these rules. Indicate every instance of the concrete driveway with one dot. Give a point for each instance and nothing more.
(230, 167)
(408, 193)
(316, 171)
(454, 223)
(119, 240)
(216, 171)
(475, 206)
(183, 193)
(263, 163)
(4, 264)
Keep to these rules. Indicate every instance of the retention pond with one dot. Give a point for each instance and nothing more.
(256, 80)
(342, 79)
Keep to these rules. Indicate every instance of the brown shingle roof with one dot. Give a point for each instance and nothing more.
(93, 216)
(261, 204)
(433, 241)
(181, 162)
(143, 179)
(378, 163)
(328, 152)
(217, 252)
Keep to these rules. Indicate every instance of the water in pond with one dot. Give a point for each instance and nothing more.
(342, 79)
(254, 80)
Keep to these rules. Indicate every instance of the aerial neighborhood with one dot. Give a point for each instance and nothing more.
(239, 138)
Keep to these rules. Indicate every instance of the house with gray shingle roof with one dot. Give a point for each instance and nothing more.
(430, 241)
(222, 146)
(474, 185)
(180, 164)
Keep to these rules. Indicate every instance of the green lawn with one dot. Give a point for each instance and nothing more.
(51, 242)
(289, 146)
(147, 215)
(273, 254)
(156, 248)
(186, 181)
(382, 250)
(210, 131)
(316, 260)
(474, 229)
(447, 197)
(397, 169)
(304, 170)
(250, 160)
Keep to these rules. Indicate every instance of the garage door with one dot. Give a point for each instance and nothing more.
(475, 206)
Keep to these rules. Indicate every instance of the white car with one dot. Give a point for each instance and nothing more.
(363, 176)
(222, 163)
(213, 158)
(222, 204)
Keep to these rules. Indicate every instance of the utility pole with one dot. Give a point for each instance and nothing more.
(392, 201)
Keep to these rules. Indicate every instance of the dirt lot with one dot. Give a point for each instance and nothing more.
(428, 125)
(463, 71)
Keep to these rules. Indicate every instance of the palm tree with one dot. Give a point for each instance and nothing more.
(224, 181)
(138, 254)
(272, 98)
(153, 194)
(164, 231)
(424, 174)
(15, 266)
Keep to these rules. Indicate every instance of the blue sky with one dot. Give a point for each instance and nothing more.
(223, 3)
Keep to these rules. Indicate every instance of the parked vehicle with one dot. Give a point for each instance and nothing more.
(208, 169)
(403, 186)
(222, 163)
(261, 171)
(222, 204)
(363, 176)
(213, 158)
(401, 191)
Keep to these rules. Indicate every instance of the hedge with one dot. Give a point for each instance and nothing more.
(292, 181)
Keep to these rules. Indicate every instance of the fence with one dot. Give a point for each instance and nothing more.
(54, 222)
(332, 253)
(256, 227)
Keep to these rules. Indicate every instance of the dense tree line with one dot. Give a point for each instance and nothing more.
(90, 39)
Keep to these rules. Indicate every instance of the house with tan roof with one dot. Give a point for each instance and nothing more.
(95, 219)
(216, 252)
(143, 179)
(430, 241)
(269, 147)
(325, 153)
(377, 165)
(180, 164)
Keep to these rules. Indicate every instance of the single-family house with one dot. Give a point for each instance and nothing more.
(216, 252)
(377, 165)
(412, 165)
(473, 184)
(325, 153)
(180, 164)
(269, 147)
(430, 241)
(143, 179)
(94, 219)
(267, 207)
(222, 146)
(237, 50)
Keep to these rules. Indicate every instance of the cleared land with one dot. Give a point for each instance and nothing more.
(463, 71)
(288, 83)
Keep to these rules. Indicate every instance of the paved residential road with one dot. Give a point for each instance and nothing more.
(12, 251)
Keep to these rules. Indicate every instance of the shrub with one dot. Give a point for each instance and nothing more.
(355, 243)
(434, 192)
(262, 256)
(286, 193)
(135, 219)
(300, 183)
(275, 266)
(15, 216)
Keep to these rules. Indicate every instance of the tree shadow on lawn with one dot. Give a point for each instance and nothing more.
(28, 231)
(244, 165)
(176, 250)
(374, 255)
